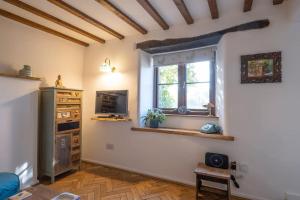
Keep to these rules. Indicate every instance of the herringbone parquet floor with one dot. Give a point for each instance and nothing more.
(95, 182)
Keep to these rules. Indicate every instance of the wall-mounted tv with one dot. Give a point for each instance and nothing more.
(113, 102)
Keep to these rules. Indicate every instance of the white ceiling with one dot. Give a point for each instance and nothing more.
(167, 9)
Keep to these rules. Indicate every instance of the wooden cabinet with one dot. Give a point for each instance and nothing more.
(60, 131)
(63, 150)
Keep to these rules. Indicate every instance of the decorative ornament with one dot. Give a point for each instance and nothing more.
(209, 107)
(182, 110)
(58, 82)
(26, 71)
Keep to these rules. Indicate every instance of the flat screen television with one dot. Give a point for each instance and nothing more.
(112, 102)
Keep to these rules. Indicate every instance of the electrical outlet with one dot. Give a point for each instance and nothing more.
(292, 196)
(110, 146)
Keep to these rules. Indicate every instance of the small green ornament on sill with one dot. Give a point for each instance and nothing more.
(154, 117)
(211, 128)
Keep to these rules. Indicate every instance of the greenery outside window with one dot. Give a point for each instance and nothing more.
(185, 88)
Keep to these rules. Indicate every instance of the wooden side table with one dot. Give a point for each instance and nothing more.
(204, 172)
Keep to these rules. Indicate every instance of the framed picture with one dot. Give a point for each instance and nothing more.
(261, 68)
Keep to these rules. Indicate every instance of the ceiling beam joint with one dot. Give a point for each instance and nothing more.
(67, 7)
(213, 9)
(122, 15)
(53, 19)
(153, 13)
(27, 22)
(184, 11)
(248, 5)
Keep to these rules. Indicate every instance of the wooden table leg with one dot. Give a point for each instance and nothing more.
(228, 190)
(198, 186)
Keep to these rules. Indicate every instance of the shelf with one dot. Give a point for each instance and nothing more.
(76, 152)
(112, 119)
(75, 145)
(66, 120)
(184, 132)
(67, 131)
(59, 88)
(20, 77)
(199, 116)
(68, 103)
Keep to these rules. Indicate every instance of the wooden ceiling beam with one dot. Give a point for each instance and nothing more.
(51, 18)
(153, 13)
(27, 22)
(122, 15)
(213, 9)
(184, 11)
(276, 2)
(247, 5)
(85, 17)
(179, 44)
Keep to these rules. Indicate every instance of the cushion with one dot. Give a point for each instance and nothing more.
(9, 185)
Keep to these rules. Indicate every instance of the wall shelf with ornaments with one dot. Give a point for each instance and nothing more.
(20, 77)
(185, 132)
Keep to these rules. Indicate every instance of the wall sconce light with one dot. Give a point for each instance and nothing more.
(106, 67)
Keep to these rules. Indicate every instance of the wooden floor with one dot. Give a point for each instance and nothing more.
(104, 183)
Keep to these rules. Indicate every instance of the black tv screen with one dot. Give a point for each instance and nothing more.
(112, 102)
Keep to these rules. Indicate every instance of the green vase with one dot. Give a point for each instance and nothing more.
(154, 123)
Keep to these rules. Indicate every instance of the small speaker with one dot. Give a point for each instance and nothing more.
(217, 160)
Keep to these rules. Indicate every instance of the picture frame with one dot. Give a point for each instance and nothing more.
(261, 68)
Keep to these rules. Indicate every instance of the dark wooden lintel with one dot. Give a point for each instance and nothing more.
(177, 44)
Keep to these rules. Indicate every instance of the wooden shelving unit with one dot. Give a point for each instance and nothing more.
(112, 119)
(184, 132)
(60, 133)
(20, 77)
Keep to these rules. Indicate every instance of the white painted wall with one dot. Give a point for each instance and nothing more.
(48, 57)
(19, 126)
(262, 117)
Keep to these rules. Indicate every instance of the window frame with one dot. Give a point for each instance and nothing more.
(182, 91)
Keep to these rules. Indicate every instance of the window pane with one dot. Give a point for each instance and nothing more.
(198, 72)
(197, 95)
(168, 96)
(168, 74)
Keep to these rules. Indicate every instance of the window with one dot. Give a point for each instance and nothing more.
(186, 86)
